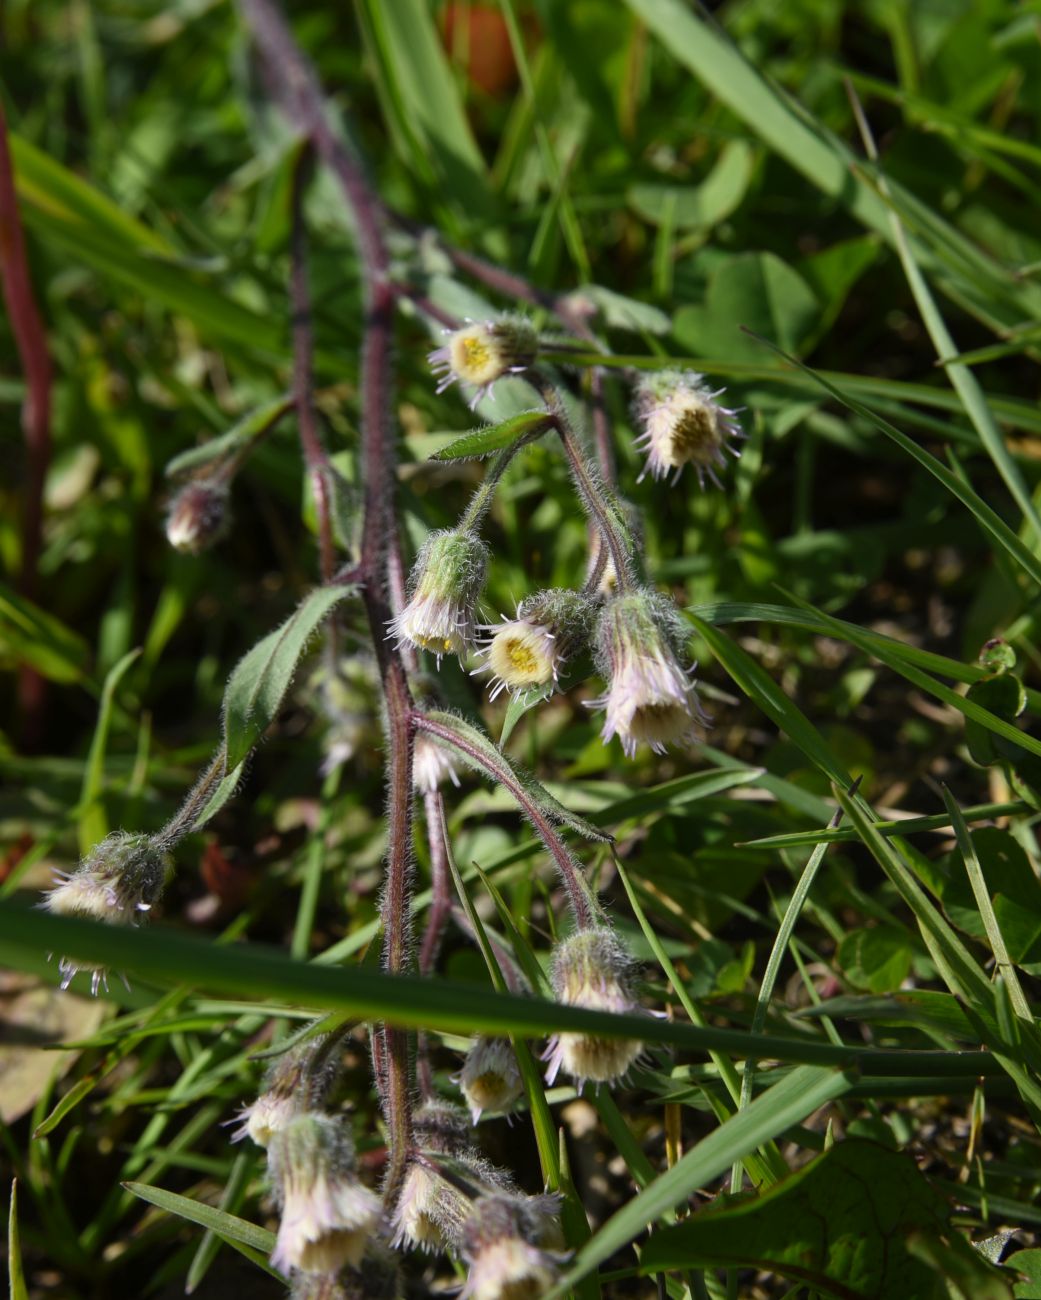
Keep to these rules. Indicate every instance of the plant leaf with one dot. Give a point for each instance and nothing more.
(494, 437)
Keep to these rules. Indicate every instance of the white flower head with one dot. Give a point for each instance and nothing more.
(650, 698)
(490, 1078)
(591, 969)
(328, 1216)
(444, 588)
(118, 882)
(682, 422)
(297, 1082)
(504, 1243)
(481, 352)
(530, 650)
(431, 765)
(198, 517)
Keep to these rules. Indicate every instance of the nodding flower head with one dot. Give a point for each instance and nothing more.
(490, 1078)
(444, 588)
(529, 650)
(431, 765)
(198, 517)
(441, 1180)
(650, 698)
(328, 1217)
(117, 883)
(591, 969)
(682, 423)
(508, 1243)
(297, 1082)
(479, 354)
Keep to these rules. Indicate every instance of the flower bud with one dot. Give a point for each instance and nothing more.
(650, 700)
(490, 1078)
(297, 1082)
(117, 882)
(530, 650)
(431, 764)
(198, 517)
(443, 591)
(504, 1243)
(683, 423)
(591, 969)
(328, 1217)
(479, 354)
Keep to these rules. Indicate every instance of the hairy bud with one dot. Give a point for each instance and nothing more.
(682, 423)
(490, 1078)
(444, 588)
(118, 882)
(479, 354)
(504, 1243)
(297, 1082)
(591, 969)
(650, 699)
(431, 765)
(198, 517)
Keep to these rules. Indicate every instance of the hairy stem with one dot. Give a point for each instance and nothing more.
(31, 342)
(583, 904)
(296, 87)
(316, 458)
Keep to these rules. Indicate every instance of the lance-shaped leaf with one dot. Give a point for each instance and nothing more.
(251, 428)
(258, 684)
(494, 437)
(463, 738)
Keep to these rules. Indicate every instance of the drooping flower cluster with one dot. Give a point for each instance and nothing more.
(683, 423)
(511, 1245)
(531, 649)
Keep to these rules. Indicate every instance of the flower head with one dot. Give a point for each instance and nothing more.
(650, 699)
(328, 1217)
(431, 764)
(444, 587)
(117, 883)
(297, 1082)
(198, 517)
(490, 1078)
(480, 353)
(441, 1180)
(529, 650)
(591, 969)
(504, 1243)
(683, 423)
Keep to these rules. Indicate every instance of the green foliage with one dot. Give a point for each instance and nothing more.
(696, 192)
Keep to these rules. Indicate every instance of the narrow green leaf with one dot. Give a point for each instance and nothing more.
(908, 826)
(93, 825)
(15, 1272)
(771, 1114)
(986, 907)
(494, 437)
(30, 635)
(249, 429)
(991, 522)
(68, 1101)
(227, 1226)
(256, 972)
(765, 692)
(231, 1198)
(259, 682)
